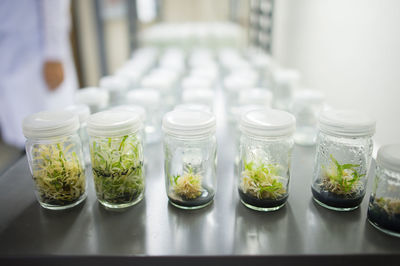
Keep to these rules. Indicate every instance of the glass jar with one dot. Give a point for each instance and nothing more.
(266, 146)
(384, 203)
(342, 160)
(116, 88)
(83, 112)
(199, 96)
(55, 158)
(116, 149)
(150, 100)
(306, 107)
(285, 83)
(190, 158)
(95, 98)
(233, 86)
(193, 107)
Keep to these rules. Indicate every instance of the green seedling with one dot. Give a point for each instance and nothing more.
(117, 165)
(262, 181)
(188, 185)
(58, 173)
(341, 178)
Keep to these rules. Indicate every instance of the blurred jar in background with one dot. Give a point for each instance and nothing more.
(96, 98)
(306, 107)
(150, 100)
(285, 83)
(116, 87)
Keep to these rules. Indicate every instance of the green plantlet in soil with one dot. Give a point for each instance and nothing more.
(188, 185)
(341, 179)
(262, 181)
(117, 165)
(58, 174)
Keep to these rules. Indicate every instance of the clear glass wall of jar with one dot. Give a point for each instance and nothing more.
(384, 203)
(265, 153)
(83, 112)
(190, 158)
(342, 161)
(116, 148)
(55, 158)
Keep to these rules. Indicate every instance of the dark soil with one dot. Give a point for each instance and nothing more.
(262, 203)
(337, 200)
(381, 218)
(206, 196)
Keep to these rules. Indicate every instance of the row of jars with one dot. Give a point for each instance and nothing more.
(344, 151)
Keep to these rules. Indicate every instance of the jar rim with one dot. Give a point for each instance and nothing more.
(389, 157)
(49, 124)
(347, 123)
(189, 123)
(113, 123)
(267, 123)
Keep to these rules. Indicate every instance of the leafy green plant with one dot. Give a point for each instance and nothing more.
(341, 178)
(58, 173)
(188, 185)
(262, 181)
(390, 205)
(117, 165)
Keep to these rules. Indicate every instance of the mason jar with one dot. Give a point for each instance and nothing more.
(83, 113)
(54, 152)
(116, 149)
(306, 107)
(190, 150)
(96, 98)
(265, 152)
(150, 100)
(384, 203)
(342, 160)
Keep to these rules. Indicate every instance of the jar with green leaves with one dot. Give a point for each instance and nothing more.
(116, 149)
(384, 203)
(55, 157)
(190, 158)
(342, 160)
(266, 145)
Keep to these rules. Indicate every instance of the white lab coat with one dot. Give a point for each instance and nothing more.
(32, 32)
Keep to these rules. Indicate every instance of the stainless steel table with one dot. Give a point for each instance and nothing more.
(154, 231)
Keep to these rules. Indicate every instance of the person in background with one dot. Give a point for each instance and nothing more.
(36, 68)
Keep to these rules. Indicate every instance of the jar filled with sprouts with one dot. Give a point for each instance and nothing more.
(342, 160)
(55, 157)
(116, 148)
(266, 145)
(190, 158)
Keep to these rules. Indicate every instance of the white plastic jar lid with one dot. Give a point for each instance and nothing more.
(113, 123)
(114, 83)
(81, 110)
(198, 95)
(189, 124)
(92, 96)
(193, 107)
(144, 97)
(236, 83)
(389, 157)
(137, 109)
(267, 123)
(48, 124)
(196, 82)
(347, 123)
(255, 96)
(158, 81)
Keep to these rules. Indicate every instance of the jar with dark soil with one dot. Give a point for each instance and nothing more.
(265, 152)
(342, 160)
(190, 158)
(384, 203)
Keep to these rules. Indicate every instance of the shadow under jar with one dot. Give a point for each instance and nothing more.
(266, 145)
(342, 160)
(384, 203)
(54, 152)
(116, 149)
(190, 158)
